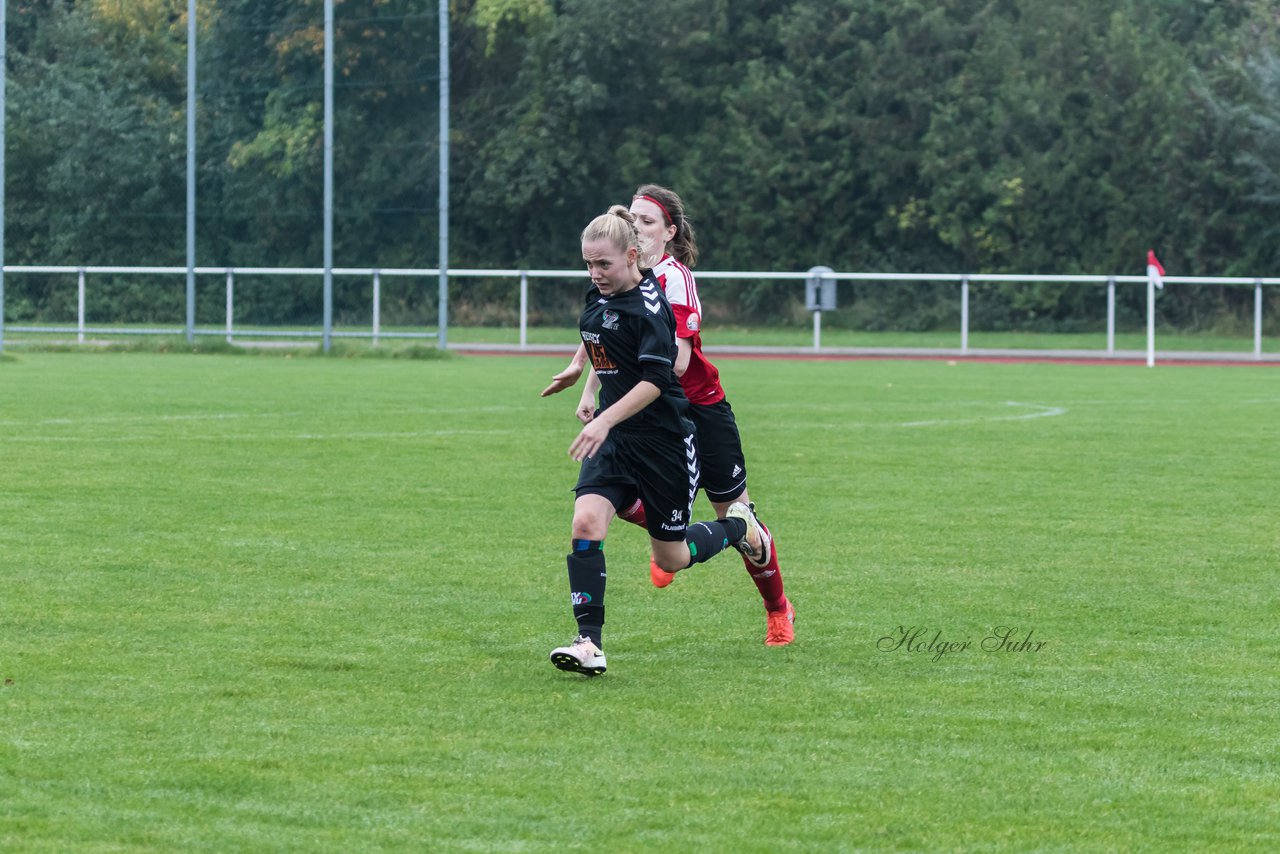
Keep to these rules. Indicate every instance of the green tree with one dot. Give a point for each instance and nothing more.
(95, 153)
(971, 136)
(1260, 115)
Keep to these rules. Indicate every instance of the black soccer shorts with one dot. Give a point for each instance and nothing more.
(724, 468)
(658, 467)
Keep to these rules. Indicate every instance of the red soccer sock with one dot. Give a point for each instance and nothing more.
(768, 580)
(633, 514)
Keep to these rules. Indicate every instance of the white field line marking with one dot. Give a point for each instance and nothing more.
(228, 416)
(408, 434)
(1039, 412)
(278, 437)
(882, 405)
(147, 419)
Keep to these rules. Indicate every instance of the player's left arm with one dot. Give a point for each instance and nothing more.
(587, 405)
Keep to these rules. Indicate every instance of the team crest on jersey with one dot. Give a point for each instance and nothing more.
(610, 319)
(691, 323)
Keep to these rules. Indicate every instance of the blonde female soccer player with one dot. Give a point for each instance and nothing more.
(671, 249)
(638, 445)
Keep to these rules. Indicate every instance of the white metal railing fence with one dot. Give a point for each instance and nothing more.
(376, 333)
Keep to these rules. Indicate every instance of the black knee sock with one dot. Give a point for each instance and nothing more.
(586, 586)
(708, 539)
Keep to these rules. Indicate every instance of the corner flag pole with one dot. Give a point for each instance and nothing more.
(1155, 279)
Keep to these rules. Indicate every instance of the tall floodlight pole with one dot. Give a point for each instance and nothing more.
(191, 171)
(4, 72)
(442, 341)
(328, 174)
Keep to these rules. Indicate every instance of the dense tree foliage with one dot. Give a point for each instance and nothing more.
(968, 136)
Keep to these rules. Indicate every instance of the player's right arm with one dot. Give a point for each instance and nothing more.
(684, 353)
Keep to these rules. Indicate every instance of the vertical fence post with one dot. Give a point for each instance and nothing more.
(524, 309)
(1151, 319)
(1111, 315)
(377, 306)
(964, 314)
(1257, 318)
(231, 284)
(80, 306)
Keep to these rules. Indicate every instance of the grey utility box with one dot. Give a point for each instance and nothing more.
(820, 290)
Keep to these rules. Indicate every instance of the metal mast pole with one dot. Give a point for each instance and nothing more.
(191, 171)
(4, 73)
(442, 340)
(328, 174)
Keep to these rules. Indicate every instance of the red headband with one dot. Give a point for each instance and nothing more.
(661, 207)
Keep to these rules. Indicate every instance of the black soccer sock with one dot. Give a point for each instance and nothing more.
(586, 587)
(708, 539)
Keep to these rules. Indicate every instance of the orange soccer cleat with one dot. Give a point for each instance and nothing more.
(780, 626)
(659, 576)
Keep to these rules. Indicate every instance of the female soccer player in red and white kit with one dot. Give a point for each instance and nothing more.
(672, 249)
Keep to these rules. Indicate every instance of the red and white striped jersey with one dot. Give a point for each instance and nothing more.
(701, 381)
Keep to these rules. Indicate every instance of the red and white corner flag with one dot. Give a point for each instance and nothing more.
(1155, 279)
(1155, 270)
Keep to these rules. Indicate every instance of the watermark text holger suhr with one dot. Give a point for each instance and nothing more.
(920, 639)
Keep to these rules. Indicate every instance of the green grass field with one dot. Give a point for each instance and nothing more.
(794, 336)
(1167, 340)
(270, 603)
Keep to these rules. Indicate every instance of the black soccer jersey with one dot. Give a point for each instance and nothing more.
(622, 333)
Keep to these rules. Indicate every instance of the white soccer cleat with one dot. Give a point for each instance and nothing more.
(757, 543)
(581, 656)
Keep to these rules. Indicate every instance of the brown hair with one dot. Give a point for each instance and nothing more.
(684, 246)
